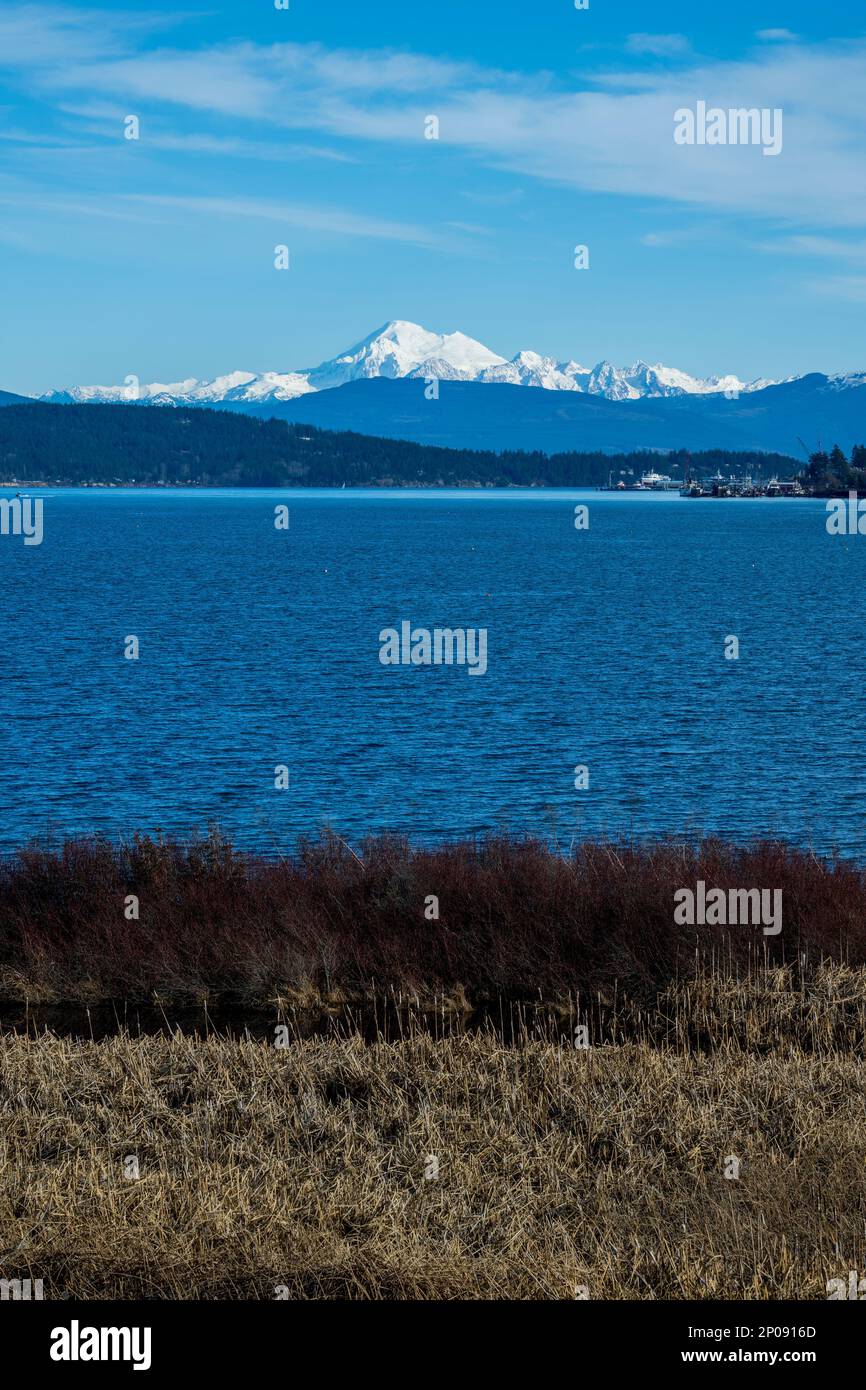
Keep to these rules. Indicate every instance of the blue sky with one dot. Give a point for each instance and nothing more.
(306, 127)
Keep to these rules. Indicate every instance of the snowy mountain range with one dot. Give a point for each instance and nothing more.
(400, 349)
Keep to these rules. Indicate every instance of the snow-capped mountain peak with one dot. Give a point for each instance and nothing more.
(400, 348)
(841, 381)
(528, 368)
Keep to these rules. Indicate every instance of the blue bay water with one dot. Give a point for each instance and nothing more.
(260, 647)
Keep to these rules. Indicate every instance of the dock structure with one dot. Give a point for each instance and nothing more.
(716, 486)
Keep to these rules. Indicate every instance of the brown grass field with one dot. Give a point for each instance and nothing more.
(448, 1139)
(305, 1171)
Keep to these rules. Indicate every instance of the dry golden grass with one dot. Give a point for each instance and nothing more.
(304, 1167)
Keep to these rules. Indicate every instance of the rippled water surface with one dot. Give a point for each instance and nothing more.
(260, 647)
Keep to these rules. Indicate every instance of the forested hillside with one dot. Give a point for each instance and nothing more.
(133, 444)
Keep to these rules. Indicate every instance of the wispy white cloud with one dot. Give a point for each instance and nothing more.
(238, 148)
(15, 135)
(40, 36)
(659, 45)
(824, 247)
(106, 119)
(675, 236)
(491, 198)
(59, 206)
(851, 288)
(608, 132)
(776, 36)
(273, 82)
(290, 215)
(159, 209)
(471, 227)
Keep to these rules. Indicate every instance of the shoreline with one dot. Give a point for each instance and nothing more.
(372, 486)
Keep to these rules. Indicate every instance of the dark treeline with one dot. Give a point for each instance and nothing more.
(131, 443)
(833, 473)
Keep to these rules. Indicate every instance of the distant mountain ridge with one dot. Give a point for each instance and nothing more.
(381, 387)
(467, 415)
(402, 349)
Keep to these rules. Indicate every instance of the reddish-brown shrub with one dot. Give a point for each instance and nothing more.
(515, 918)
